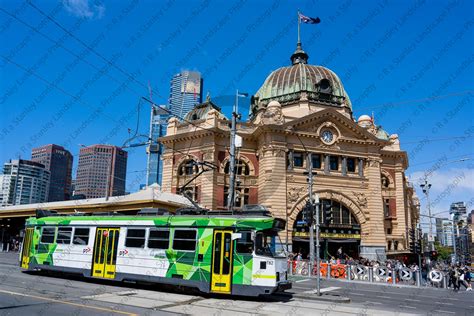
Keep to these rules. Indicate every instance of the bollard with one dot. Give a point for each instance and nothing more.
(348, 272)
(445, 281)
(394, 276)
(328, 275)
(371, 274)
(418, 278)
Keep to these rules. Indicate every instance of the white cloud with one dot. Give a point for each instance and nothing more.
(84, 9)
(447, 186)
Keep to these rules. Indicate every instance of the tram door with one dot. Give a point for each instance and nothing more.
(25, 250)
(222, 262)
(105, 252)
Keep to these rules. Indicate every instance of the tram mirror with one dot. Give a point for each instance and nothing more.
(236, 236)
(253, 235)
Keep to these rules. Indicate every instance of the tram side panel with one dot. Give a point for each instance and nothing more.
(185, 261)
(76, 254)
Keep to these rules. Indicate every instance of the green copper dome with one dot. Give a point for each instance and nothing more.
(287, 83)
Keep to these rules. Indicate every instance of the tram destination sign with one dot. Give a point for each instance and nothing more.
(329, 235)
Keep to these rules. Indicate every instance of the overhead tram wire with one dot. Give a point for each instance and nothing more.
(435, 97)
(144, 85)
(67, 49)
(124, 72)
(56, 87)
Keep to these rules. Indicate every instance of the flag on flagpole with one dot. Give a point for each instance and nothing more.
(309, 20)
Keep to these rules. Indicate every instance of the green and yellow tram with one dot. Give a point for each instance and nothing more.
(215, 253)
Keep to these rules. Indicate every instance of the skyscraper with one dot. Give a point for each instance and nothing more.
(58, 161)
(158, 124)
(444, 231)
(23, 182)
(185, 92)
(101, 171)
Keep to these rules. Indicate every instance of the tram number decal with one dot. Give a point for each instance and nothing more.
(86, 250)
(123, 252)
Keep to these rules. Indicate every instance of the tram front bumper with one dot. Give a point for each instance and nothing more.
(283, 286)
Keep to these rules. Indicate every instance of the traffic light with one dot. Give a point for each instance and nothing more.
(434, 255)
(418, 246)
(308, 213)
(327, 214)
(413, 243)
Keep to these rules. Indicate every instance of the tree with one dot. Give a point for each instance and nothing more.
(444, 253)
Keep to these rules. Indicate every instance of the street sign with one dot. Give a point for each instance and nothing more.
(406, 274)
(435, 276)
(430, 238)
(360, 270)
(382, 272)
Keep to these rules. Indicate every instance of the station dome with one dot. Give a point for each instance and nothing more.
(287, 83)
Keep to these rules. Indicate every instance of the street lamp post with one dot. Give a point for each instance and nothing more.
(233, 132)
(426, 190)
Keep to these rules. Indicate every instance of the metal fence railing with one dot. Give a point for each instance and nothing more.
(373, 274)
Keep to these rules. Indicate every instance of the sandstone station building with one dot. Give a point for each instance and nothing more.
(301, 108)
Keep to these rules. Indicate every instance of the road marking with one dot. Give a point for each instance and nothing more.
(375, 303)
(438, 310)
(412, 300)
(358, 294)
(380, 296)
(331, 288)
(302, 280)
(68, 303)
(406, 306)
(444, 303)
(327, 289)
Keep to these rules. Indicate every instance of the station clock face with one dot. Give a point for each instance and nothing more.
(327, 136)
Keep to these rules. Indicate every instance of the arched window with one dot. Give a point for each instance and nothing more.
(241, 168)
(188, 167)
(186, 170)
(385, 181)
(242, 191)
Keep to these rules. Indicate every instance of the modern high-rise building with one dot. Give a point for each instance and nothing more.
(185, 92)
(101, 171)
(58, 161)
(158, 125)
(444, 231)
(23, 182)
(458, 209)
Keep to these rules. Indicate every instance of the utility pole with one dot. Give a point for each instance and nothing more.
(313, 219)
(233, 132)
(426, 190)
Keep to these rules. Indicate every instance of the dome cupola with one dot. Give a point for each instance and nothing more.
(301, 80)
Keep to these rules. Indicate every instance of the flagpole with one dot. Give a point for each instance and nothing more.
(299, 21)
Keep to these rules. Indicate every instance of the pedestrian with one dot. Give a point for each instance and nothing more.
(456, 275)
(468, 279)
(339, 253)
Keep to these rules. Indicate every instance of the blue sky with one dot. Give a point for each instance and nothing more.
(408, 62)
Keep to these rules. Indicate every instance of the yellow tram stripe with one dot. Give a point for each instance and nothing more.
(69, 303)
(262, 276)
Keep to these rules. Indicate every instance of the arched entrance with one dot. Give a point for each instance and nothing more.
(342, 232)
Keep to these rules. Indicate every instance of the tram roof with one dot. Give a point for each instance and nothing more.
(255, 222)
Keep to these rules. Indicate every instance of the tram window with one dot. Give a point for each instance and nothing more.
(64, 235)
(184, 239)
(159, 239)
(135, 238)
(245, 243)
(47, 235)
(263, 244)
(81, 236)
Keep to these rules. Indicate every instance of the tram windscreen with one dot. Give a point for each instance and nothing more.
(268, 243)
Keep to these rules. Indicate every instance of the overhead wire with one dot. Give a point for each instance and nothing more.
(130, 76)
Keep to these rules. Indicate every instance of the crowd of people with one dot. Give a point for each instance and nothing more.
(457, 275)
